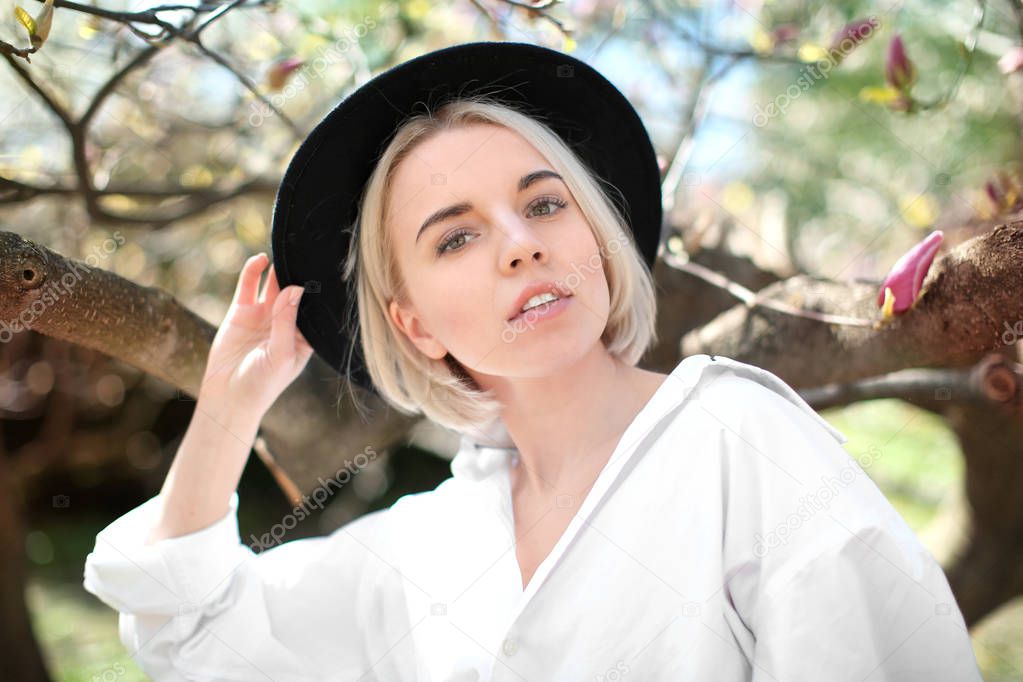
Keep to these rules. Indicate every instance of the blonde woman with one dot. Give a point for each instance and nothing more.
(471, 235)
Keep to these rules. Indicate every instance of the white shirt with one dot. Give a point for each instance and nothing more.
(730, 537)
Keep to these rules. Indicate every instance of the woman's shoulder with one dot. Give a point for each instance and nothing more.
(443, 504)
(382, 537)
(785, 468)
(746, 427)
(742, 394)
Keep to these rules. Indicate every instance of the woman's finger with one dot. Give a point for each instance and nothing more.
(282, 326)
(248, 280)
(300, 340)
(271, 288)
(302, 347)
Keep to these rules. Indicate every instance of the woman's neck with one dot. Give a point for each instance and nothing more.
(566, 429)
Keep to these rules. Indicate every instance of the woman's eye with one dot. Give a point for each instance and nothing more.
(443, 246)
(547, 201)
(454, 238)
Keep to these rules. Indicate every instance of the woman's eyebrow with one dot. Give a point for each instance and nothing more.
(464, 207)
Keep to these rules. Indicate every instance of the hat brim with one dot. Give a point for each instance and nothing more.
(317, 201)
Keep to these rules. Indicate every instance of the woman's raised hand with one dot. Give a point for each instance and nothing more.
(258, 350)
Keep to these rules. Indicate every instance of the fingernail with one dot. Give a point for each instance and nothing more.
(295, 295)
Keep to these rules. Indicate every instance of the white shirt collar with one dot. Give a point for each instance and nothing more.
(483, 452)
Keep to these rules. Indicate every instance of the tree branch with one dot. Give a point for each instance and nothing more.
(970, 297)
(195, 201)
(307, 429)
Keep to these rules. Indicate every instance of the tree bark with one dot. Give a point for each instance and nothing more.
(22, 657)
(309, 433)
(970, 298)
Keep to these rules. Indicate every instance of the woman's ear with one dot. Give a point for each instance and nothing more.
(409, 324)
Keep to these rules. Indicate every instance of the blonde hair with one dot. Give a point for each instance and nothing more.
(441, 389)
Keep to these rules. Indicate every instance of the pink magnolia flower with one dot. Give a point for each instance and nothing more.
(1004, 192)
(906, 277)
(851, 35)
(899, 71)
(279, 73)
(1011, 60)
(785, 33)
(994, 193)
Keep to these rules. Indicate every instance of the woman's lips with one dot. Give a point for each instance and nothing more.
(544, 311)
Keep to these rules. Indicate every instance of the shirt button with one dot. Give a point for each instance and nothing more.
(510, 646)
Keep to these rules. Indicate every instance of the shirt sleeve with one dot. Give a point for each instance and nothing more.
(205, 606)
(821, 569)
(858, 612)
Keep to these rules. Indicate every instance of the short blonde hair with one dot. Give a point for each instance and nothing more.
(441, 389)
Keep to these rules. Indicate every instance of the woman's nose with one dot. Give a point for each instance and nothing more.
(521, 243)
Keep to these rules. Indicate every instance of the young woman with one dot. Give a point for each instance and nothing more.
(602, 522)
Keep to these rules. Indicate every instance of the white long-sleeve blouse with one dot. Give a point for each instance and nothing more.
(730, 537)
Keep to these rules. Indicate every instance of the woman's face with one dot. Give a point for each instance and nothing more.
(467, 267)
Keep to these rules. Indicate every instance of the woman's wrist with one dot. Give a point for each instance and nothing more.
(228, 412)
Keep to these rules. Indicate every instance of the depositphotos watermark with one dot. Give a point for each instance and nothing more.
(811, 73)
(319, 496)
(810, 505)
(315, 68)
(53, 290)
(615, 673)
(111, 674)
(1012, 334)
(528, 320)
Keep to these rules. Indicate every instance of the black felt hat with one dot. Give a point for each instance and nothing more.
(317, 201)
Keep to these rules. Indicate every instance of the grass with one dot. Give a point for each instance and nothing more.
(913, 457)
(79, 634)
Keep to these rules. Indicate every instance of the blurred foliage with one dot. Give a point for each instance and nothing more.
(864, 182)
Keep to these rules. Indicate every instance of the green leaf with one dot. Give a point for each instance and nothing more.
(26, 20)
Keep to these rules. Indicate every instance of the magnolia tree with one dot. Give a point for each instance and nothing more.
(141, 149)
